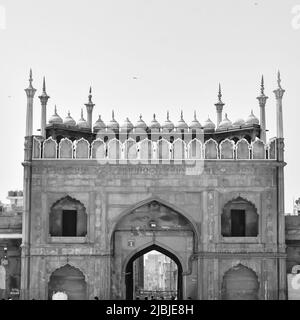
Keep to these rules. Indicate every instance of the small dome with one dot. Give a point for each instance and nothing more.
(69, 121)
(209, 125)
(252, 119)
(181, 123)
(225, 124)
(55, 119)
(154, 123)
(82, 122)
(238, 123)
(168, 125)
(127, 125)
(113, 124)
(141, 124)
(195, 124)
(99, 124)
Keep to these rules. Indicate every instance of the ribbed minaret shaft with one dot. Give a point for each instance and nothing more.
(89, 109)
(219, 107)
(279, 92)
(44, 100)
(30, 92)
(262, 104)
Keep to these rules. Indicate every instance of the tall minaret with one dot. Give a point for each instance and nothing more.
(26, 217)
(89, 108)
(282, 286)
(44, 99)
(279, 92)
(262, 103)
(30, 92)
(219, 106)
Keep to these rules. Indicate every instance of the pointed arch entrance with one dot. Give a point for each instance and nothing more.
(129, 272)
(147, 226)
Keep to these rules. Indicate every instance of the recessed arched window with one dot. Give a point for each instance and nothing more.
(239, 219)
(68, 218)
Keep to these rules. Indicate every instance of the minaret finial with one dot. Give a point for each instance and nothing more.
(262, 86)
(30, 76)
(195, 115)
(181, 115)
(168, 115)
(279, 80)
(154, 116)
(44, 85)
(113, 115)
(81, 113)
(55, 110)
(220, 93)
(90, 96)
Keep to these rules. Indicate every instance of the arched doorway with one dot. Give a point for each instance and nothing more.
(129, 272)
(69, 280)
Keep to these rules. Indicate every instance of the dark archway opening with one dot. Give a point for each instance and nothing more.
(130, 274)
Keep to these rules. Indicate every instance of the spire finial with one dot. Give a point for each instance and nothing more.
(168, 115)
(195, 115)
(44, 85)
(181, 115)
(154, 116)
(30, 76)
(90, 96)
(69, 113)
(262, 86)
(279, 80)
(141, 117)
(220, 93)
(113, 115)
(81, 113)
(55, 110)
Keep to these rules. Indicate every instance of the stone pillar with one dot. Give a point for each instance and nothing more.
(30, 92)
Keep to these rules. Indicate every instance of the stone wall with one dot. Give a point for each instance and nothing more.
(198, 192)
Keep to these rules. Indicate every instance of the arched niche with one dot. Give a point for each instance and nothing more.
(130, 149)
(65, 149)
(258, 149)
(98, 149)
(227, 149)
(272, 149)
(36, 149)
(68, 218)
(195, 149)
(239, 219)
(179, 149)
(145, 150)
(82, 149)
(242, 150)
(163, 149)
(211, 149)
(114, 149)
(70, 280)
(240, 283)
(50, 149)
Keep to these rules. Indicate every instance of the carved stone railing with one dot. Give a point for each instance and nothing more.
(161, 150)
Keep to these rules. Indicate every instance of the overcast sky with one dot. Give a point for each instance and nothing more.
(179, 50)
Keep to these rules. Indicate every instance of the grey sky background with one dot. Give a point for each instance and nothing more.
(178, 49)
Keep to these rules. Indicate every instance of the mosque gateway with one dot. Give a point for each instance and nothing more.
(103, 201)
